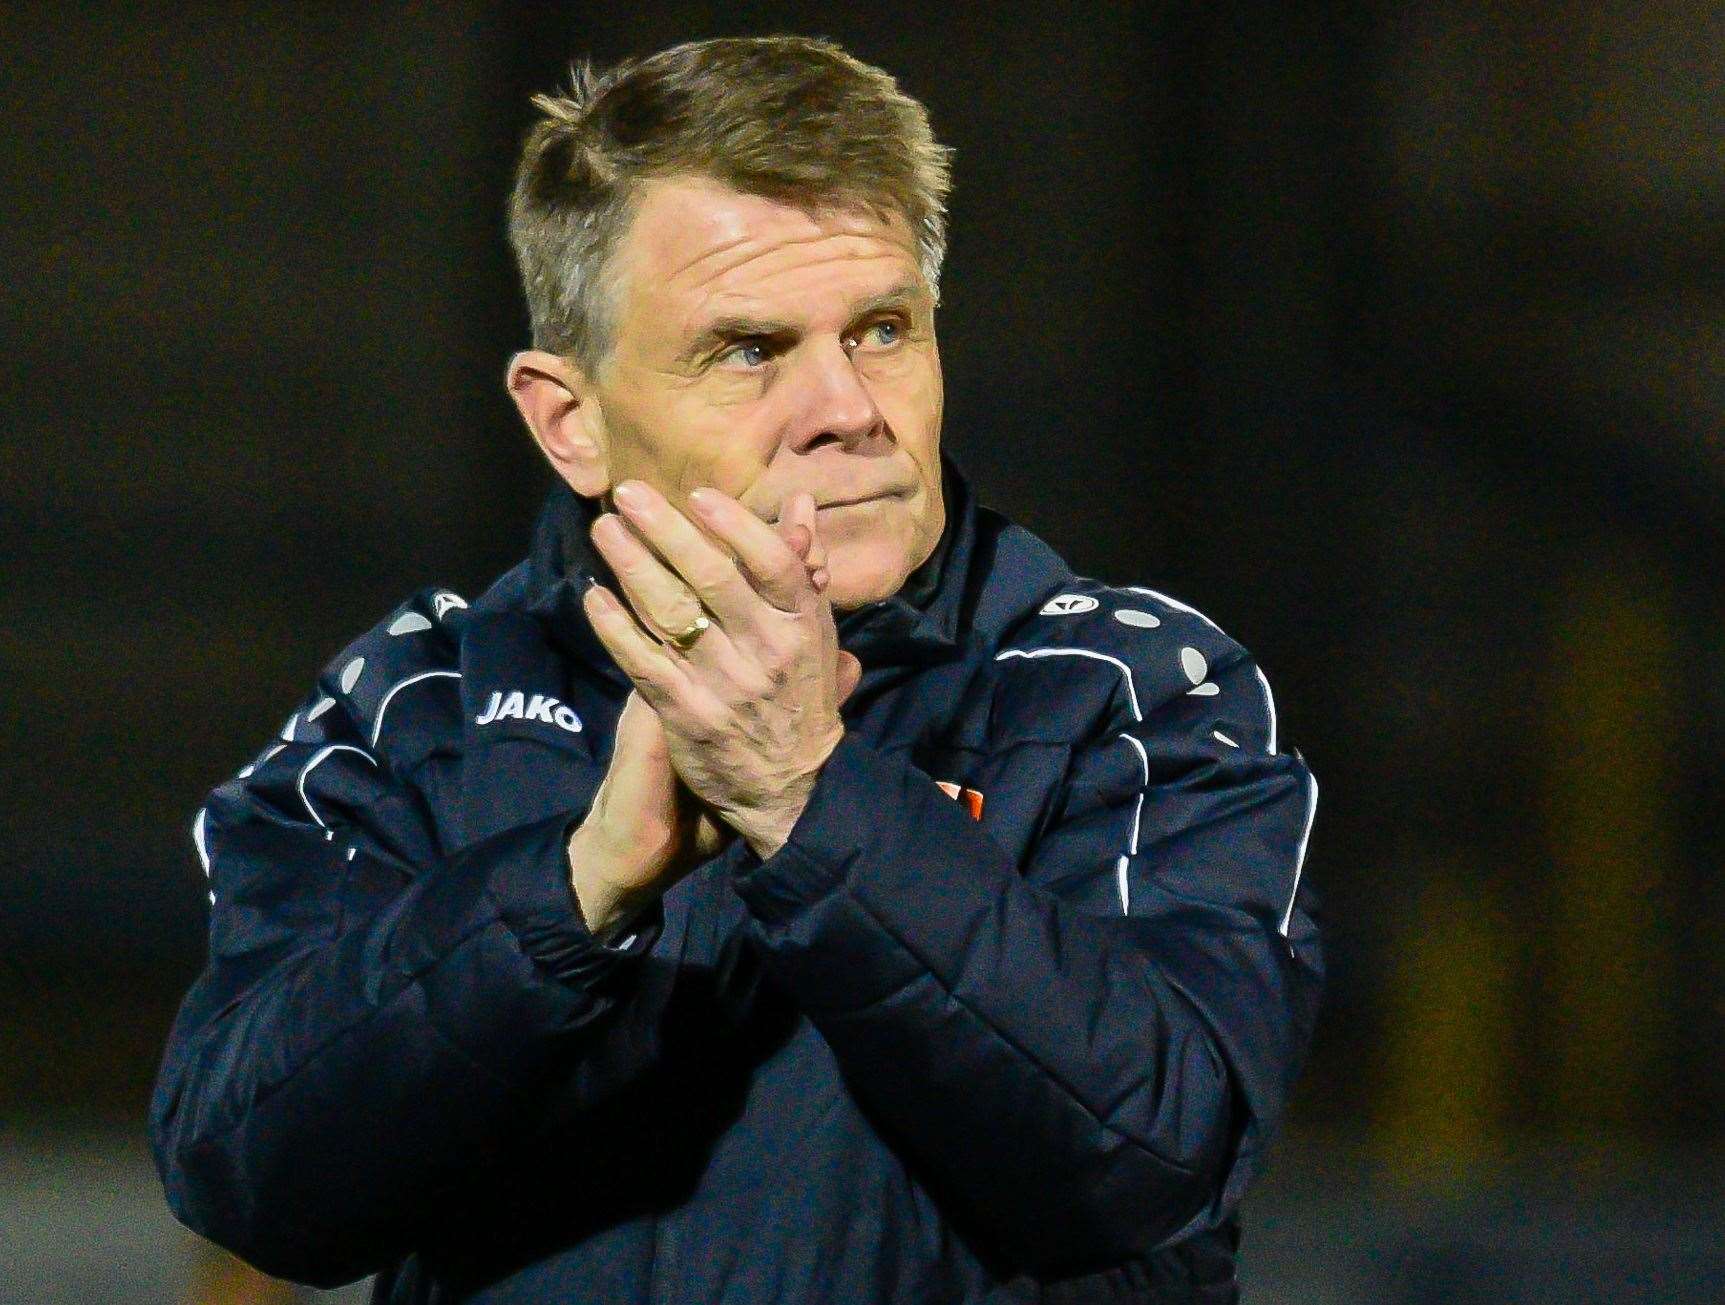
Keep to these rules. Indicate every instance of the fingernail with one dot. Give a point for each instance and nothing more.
(701, 497)
(629, 494)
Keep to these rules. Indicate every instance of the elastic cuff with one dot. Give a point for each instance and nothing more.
(827, 837)
(536, 900)
(624, 936)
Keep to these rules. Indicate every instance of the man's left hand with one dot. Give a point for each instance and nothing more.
(751, 709)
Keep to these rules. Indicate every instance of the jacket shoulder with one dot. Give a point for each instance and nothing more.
(1151, 655)
(332, 766)
(372, 680)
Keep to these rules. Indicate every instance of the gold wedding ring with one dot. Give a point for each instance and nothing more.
(683, 640)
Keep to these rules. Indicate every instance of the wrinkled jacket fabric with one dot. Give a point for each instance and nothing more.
(1010, 1018)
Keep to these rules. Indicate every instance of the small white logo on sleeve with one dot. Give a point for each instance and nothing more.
(541, 707)
(1068, 605)
(444, 600)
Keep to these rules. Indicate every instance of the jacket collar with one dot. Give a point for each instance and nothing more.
(923, 623)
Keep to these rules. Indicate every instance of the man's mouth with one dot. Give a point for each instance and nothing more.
(850, 501)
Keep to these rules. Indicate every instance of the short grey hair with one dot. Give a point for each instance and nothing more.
(789, 118)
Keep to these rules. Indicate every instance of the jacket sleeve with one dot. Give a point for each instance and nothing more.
(376, 1020)
(1084, 1054)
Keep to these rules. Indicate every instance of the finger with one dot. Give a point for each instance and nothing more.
(802, 510)
(799, 526)
(815, 559)
(656, 674)
(802, 542)
(690, 554)
(806, 518)
(715, 658)
(671, 682)
(658, 596)
(773, 567)
(849, 674)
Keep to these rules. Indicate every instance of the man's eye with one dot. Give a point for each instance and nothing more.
(749, 354)
(882, 333)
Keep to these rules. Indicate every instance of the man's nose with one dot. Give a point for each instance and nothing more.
(836, 403)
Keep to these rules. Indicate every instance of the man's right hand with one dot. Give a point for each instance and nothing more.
(645, 830)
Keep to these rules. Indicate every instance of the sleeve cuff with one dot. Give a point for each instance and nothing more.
(535, 899)
(827, 837)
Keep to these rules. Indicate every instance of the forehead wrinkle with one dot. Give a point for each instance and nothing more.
(676, 272)
(845, 249)
(744, 306)
(749, 300)
(716, 302)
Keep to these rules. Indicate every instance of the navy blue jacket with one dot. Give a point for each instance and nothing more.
(1010, 1018)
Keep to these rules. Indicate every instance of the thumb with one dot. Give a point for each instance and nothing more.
(849, 674)
(640, 770)
(639, 728)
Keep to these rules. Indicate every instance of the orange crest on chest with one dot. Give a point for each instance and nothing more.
(971, 798)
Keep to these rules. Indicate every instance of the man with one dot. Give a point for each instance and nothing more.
(791, 883)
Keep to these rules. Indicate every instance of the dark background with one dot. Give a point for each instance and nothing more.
(1392, 336)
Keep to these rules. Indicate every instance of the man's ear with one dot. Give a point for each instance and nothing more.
(557, 403)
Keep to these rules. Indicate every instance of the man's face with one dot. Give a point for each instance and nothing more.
(763, 350)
